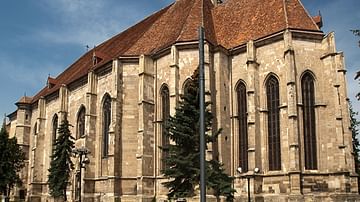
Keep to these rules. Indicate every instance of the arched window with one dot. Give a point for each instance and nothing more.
(186, 85)
(308, 99)
(272, 93)
(54, 130)
(35, 135)
(106, 124)
(165, 114)
(80, 124)
(243, 130)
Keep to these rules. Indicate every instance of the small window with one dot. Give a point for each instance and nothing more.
(106, 124)
(81, 123)
(35, 129)
(54, 131)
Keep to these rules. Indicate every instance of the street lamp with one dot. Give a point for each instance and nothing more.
(83, 161)
(256, 171)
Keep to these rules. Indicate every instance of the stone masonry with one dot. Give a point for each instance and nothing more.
(131, 170)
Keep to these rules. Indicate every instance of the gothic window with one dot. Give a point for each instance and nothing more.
(165, 114)
(54, 130)
(80, 124)
(35, 135)
(186, 86)
(106, 124)
(272, 93)
(242, 121)
(308, 99)
(34, 146)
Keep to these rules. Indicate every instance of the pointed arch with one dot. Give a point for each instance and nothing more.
(242, 125)
(185, 85)
(309, 127)
(273, 103)
(80, 122)
(106, 120)
(165, 114)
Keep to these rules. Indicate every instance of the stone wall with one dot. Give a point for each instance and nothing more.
(131, 171)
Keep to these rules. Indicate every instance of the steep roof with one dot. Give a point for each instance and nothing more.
(229, 24)
(238, 21)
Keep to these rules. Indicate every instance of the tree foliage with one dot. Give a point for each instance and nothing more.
(183, 159)
(354, 124)
(61, 164)
(11, 162)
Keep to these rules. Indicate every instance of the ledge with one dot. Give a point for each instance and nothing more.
(251, 149)
(342, 146)
(327, 55)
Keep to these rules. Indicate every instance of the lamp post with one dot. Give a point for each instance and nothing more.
(256, 171)
(83, 161)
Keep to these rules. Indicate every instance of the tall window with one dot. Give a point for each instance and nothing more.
(80, 124)
(272, 93)
(106, 124)
(165, 112)
(54, 130)
(33, 148)
(35, 135)
(308, 99)
(243, 131)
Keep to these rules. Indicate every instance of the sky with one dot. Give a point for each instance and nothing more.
(39, 38)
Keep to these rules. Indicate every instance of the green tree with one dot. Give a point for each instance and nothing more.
(354, 124)
(11, 162)
(61, 164)
(183, 159)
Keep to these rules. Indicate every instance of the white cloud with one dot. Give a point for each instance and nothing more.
(87, 22)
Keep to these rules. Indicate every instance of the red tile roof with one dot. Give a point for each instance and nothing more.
(229, 24)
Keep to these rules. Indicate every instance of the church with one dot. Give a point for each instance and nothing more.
(278, 91)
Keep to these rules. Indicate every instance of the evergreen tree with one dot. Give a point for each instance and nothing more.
(354, 124)
(61, 164)
(11, 162)
(183, 159)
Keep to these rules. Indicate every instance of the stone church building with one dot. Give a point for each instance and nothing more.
(277, 86)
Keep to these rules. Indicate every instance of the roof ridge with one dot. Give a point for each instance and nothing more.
(202, 13)
(308, 14)
(286, 14)
(184, 23)
(210, 32)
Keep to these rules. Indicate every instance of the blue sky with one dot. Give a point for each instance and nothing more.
(42, 37)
